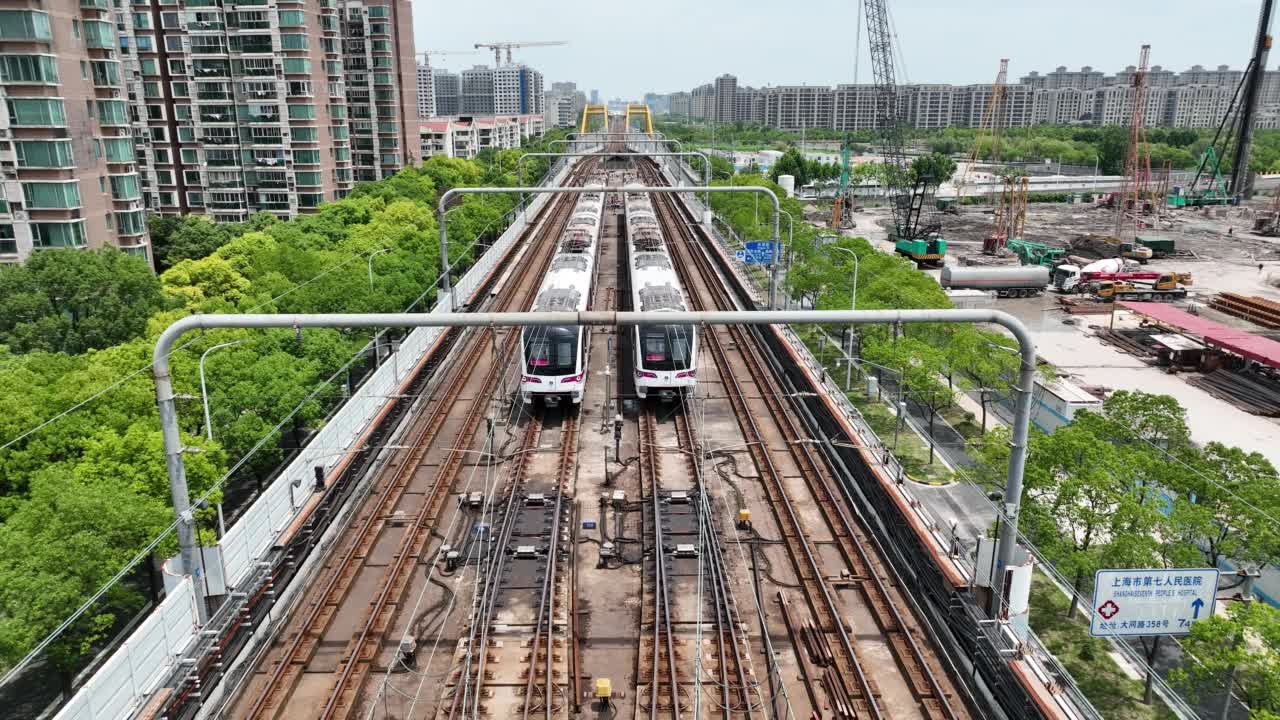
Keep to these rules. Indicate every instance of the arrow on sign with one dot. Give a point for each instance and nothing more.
(1195, 608)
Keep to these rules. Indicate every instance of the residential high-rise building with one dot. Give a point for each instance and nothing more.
(477, 91)
(725, 105)
(517, 90)
(681, 104)
(244, 108)
(66, 153)
(447, 89)
(564, 104)
(703, 102)
(595, 97)
(426, 92)
(382, 85)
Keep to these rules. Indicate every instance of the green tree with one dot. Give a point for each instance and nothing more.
(191, 238)
(1080, 506)
(60, 546)
(1244, 644)
(1216, 505)
(72, 301)
(933, 169)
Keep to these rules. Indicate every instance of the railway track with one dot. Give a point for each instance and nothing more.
(449, 423)
(519, 530)
(831, 660)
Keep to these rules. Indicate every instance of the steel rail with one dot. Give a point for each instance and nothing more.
(723, 597)
(809, 570)
(662, 632)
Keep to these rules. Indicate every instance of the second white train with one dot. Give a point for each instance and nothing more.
(665, 356)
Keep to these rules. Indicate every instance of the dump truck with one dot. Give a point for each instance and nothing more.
(1166, 288)
(1012, 281)
(1160, 246)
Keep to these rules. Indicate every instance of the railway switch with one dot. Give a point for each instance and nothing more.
(475, 499)
(619, 498)
(686, 550)
(678, 497)
(744, 519)
(452, 559)
(604, 688)
(606, 552)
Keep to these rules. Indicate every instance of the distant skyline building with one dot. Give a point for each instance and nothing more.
(1195, 98)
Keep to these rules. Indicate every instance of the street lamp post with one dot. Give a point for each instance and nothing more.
(372, 255)
(204, 393)
(853, 303)
(791, 239)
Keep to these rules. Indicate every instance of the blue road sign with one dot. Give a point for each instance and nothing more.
(758, 252)
(1152, 602)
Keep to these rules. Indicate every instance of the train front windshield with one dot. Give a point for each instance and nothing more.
(550, 351)
(666, 347)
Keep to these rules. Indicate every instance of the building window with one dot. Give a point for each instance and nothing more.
(131, 223)
(24, 25)
(306, 157)
(308, 178)
(293, 41)
(304, 134)
(58, 235)
(195, 199)
(113, 112)
(98, 34)
(8, 244)
(44, 153)
(120, 150)
(28, 69)
(52, 195)
(302, 112)
(191, 177)
(167, 199)
(36, 112)
(149, 66)
(125, 187)
(107, 73)
(292, 18)
(296, 65)
(189, 156)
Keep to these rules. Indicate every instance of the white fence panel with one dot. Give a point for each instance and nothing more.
(123, 681)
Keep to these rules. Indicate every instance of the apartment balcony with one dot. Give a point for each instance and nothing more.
(223, 95)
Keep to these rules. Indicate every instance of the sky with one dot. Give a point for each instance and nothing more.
(628, 48)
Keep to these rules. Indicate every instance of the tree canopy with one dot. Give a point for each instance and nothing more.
(72, 301)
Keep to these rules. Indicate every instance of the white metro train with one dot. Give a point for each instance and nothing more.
(554, 358)
(665, 355)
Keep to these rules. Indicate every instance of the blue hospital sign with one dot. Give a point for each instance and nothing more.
(1151, 602)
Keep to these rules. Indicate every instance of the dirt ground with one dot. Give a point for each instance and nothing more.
(1203, 234)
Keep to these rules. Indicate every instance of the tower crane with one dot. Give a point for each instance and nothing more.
(915, 225)
(427, 54)
(498, 47)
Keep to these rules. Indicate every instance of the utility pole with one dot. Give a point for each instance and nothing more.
(1240, 184)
